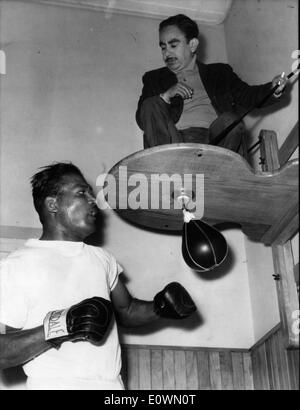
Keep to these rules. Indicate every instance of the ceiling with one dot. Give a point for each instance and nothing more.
(203, 11)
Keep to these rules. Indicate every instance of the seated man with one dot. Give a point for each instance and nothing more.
(57, 290)
(188, 101)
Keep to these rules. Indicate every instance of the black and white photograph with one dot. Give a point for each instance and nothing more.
(149, 197)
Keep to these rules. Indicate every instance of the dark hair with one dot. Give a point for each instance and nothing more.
(49, 181)
(184, 23)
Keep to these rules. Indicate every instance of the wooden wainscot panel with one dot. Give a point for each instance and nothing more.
(275, 367)
(176, 368)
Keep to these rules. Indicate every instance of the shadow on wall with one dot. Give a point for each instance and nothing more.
(201, 50)
(260, 114)
(186, 325)
(13, 378)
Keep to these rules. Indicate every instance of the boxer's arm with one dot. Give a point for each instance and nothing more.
(173, 302)
(20, 346)
(131, 312)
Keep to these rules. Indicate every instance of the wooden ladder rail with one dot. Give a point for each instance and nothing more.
(290, 145)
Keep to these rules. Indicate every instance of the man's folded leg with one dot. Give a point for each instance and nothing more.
(157, 124)
(160, 129)
(198, 135)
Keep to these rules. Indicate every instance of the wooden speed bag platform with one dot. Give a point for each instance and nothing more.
(219, 183)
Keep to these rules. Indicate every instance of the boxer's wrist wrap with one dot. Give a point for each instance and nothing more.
(55, 324)
(88, 320)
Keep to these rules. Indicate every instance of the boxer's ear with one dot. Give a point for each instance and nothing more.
(51, 204)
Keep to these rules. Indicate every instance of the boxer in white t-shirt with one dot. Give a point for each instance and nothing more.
(61, 299)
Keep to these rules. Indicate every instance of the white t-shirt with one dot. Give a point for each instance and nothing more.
(51, 275)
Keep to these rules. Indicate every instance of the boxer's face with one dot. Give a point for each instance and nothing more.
(176, 51)
(76, 208)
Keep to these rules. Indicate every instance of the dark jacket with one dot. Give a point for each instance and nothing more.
(225, 89)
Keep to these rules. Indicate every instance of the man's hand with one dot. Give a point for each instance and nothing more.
(88, 320)
(183, 90)
(280, 80)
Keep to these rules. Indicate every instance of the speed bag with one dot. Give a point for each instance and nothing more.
(203, 247)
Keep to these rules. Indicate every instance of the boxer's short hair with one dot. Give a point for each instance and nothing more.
(49, 181)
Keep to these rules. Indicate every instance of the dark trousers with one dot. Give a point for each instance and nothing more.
(160, 129)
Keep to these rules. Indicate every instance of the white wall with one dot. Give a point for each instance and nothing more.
(263, 293)
(72, 84)
(70, 93)
(260, 37)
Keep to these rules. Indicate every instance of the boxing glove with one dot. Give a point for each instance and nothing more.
(174, 302)
(88, 320)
